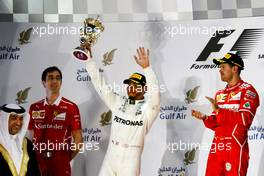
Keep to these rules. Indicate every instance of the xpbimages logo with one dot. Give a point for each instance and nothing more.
(244, 44)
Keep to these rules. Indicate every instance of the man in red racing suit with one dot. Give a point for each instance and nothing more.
(234, 109)
(55, 127)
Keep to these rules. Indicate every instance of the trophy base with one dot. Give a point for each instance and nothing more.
(79, 54)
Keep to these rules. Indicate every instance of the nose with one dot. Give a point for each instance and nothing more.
(19, 122)
(54, 80)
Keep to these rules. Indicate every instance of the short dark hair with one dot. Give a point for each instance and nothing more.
(239, 68)
(48, 70)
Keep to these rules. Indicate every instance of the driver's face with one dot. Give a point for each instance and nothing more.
(135, 90)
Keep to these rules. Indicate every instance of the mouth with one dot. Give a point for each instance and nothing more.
(54, 86)
(15, 130)
(17, 127)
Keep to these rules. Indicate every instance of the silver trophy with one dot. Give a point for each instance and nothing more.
(89, 35)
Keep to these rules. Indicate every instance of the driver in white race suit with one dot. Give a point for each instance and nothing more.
(132, 117)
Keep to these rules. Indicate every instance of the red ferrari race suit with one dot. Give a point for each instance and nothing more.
(52, 126)
(229, 154)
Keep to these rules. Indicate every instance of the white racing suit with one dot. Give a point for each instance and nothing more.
(130, 124)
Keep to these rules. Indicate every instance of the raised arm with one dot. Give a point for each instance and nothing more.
(153, 93)
(102, 88)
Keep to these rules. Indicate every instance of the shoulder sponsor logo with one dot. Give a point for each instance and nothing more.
(250, 94)
(60, 116)
(38, 114)
(244, 86)
(247, 105)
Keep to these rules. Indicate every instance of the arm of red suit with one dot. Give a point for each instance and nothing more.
(244, 116)
(210, 122)
(226, 116)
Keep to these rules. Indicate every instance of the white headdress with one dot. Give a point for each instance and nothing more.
(13, 143)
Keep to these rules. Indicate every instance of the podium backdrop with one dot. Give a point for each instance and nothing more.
(181, 55)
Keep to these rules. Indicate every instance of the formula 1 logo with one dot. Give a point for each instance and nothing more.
(244, 45)
(213, 45)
